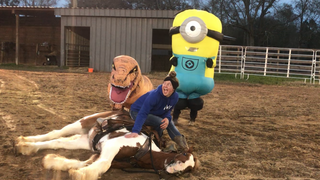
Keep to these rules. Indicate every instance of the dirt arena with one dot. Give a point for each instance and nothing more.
(245, 131)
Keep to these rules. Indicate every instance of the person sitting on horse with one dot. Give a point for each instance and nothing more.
(154, 109)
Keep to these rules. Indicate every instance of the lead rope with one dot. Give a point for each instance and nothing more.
(150, 142)
(156, 170)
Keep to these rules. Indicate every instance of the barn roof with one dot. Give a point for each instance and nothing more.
(27, 10)
(164, 14)
(36, 10)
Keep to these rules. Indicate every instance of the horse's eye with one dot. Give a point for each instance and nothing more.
(185, 154)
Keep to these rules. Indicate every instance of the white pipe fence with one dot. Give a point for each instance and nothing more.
(269, 61)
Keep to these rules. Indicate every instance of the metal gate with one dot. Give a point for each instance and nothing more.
(316, 67)
(77, 55)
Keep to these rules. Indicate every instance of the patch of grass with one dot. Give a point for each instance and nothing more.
(267, 80)
(254, 79)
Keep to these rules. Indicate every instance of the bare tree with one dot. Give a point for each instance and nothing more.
(9, 2)
(303, 8)
(243, 14)
(38, 2)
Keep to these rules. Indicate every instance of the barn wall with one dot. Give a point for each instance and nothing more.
(116, 32)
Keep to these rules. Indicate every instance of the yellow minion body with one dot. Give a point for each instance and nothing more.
(193, 39)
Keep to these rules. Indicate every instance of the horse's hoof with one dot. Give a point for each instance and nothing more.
(84, 174)
(53, 161)
(76, 174)
(25, 148)
(20, 139)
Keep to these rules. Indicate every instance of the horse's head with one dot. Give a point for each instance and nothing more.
(182, 163)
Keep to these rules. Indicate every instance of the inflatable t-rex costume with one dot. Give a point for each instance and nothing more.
(125, 86)
(127, 83)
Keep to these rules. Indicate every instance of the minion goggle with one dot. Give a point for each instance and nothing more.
(194, 30)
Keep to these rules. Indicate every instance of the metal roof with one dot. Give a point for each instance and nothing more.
(26, 10)
(116, 12)
(24, 7)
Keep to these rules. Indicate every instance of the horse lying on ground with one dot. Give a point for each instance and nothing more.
(107, 138)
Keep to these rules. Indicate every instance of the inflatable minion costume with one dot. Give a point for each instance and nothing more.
(196, 36)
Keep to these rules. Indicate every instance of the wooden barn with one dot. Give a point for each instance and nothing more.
(93, 37)
(86, 37)
(28, 34)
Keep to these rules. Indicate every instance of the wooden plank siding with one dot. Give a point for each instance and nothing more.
(116, 32)
(29, 36)
(33, 31)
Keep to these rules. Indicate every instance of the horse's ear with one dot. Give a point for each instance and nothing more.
(197, 164)
(190, 149)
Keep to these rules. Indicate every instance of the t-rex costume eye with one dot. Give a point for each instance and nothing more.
(133, 70)
(113, 67)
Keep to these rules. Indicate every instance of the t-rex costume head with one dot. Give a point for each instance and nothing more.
(127, 83)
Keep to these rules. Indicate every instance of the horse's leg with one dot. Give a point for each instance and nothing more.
(73, 142)
(56, 162)
(100, 166)
(81, 126)
(120, 165)
(74, 128)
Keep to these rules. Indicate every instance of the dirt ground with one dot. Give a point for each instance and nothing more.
(244, 131)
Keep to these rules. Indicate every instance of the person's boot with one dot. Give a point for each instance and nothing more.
(192, 122)
(182, 143)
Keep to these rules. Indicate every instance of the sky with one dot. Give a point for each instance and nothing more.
(61, 3)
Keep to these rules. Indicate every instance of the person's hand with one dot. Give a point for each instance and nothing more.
(165, 123)
(131, 135)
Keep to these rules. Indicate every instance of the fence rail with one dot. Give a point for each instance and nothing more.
(270, 61)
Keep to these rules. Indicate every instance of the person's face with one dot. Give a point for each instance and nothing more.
(167, 88)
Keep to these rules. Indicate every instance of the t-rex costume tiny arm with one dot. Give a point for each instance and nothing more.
(127, 83)
(125, 86)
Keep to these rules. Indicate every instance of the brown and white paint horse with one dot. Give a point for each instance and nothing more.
(112, 146)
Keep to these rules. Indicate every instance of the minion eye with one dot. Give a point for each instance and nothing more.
(193, 29)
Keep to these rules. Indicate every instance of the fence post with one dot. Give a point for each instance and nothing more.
(289, 59)
(66, 55)
(314, 67)
(266, 62)
(243, 63)
(2, 52)
(79, 56)
(220, 49)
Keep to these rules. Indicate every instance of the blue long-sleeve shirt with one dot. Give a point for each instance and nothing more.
(153, 102)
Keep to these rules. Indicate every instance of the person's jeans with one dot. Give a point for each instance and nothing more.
(155, 122)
